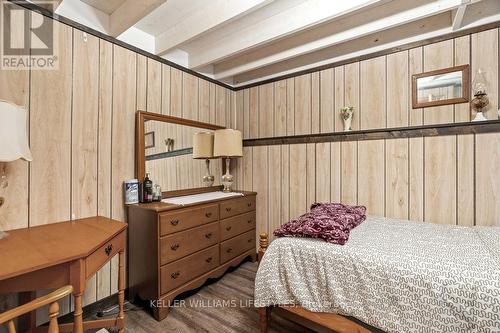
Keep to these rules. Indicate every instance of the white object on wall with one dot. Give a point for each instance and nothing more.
(13, 140)
(13, 133)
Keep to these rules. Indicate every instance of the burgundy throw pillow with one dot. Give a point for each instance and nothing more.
(332, 222)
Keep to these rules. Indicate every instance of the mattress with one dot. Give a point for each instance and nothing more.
(397, 275)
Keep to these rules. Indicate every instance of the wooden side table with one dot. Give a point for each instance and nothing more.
(71, 252)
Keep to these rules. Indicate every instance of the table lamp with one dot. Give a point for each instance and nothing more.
(228, 143)
(203, 148)
(13, 141)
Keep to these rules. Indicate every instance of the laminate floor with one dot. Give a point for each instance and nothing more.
(224, 306)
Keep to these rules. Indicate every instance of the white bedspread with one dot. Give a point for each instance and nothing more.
(399, 276)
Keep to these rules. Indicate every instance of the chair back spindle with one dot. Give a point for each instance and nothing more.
(51, 300)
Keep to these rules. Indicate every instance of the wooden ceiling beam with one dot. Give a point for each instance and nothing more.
(52, 6)
(129, 13)
(365, 24)
(215, 14)
(298, 18)
(459, 15)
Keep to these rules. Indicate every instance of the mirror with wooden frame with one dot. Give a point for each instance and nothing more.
(164, 150)
(441, 87)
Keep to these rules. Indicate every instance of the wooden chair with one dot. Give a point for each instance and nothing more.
(50, 299)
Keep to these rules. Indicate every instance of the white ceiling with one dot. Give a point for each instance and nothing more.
(107, 6)
(244, 41)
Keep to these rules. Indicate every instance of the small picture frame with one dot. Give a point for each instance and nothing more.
(441, 87)
(149, 140)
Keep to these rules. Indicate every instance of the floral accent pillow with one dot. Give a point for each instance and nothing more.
(332, 222)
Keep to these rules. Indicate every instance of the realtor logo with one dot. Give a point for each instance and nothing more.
(28, 39)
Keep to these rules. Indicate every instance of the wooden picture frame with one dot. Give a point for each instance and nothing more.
(151, 143)
(465, 91)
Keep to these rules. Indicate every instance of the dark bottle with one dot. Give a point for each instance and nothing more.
(148, 189)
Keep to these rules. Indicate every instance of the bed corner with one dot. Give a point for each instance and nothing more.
(263, 244)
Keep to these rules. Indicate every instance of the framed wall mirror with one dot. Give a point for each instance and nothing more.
(170, 160)
(441, 87)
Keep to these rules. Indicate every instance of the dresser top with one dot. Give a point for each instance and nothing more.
(204, 198)
(29, 249)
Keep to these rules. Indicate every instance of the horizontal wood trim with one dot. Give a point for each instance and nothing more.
(173, 153)
(491, 126)
(145, 116)
(48, 13)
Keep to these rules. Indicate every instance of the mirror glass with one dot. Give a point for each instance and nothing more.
(168, 156)
(440, 87)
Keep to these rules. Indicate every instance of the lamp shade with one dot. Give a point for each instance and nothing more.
(228, 143)
(203, 145)
(13, 134)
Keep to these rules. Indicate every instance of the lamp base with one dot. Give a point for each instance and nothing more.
(479, 117)
(227, 179)
(208, 179)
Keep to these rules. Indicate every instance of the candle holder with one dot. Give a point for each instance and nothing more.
(480, 100)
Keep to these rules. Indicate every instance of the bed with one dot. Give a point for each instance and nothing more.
(392, 275)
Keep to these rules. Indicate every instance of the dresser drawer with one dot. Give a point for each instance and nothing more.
(236, 225)
(236, 246)
(187, 218)
(178, 245)
(184, 270)
(237, 206)
(102, 255)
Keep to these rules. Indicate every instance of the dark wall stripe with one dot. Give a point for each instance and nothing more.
(178, 152)
(490, 126)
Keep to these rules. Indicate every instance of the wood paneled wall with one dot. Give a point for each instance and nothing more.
(82, 129)
(452, 179)
(81, 122)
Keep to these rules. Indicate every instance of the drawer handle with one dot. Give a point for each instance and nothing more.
(208, 214)
(249, 221)
(228, 228)
(108, 249)
(208, 260)
(208, 236)
(175, 275)
(228, 209)
(175, 247)
(174, 222)
(250, 240)
(229, 250)
(249, 204)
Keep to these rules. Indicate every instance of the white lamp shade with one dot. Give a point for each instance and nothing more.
(228, 143)
(13, 134)
(203, 145)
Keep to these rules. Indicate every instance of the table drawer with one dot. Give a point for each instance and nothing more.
(236, 225)
(184, 270)
(237, 206)
(237, 245)
(178, 245)
(103, 254)
(187, 218)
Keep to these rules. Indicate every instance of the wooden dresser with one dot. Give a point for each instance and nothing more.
(176, 248)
